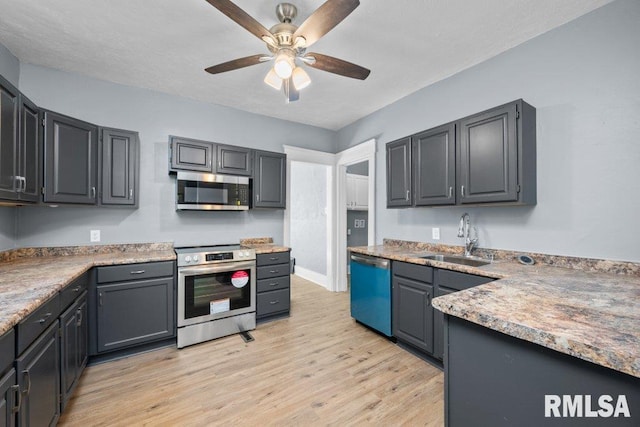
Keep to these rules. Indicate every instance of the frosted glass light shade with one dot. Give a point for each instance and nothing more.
(300, 78)
(283, 65)
(273, 80)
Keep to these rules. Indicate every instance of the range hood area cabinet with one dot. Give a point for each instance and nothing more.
(89, 165)
(19, 146)
(267, 169)
(486, 158)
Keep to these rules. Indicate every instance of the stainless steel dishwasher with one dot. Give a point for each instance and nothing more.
(371, 292)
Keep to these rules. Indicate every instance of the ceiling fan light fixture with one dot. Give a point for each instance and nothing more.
(273, 80)
(284, 64)
(300, 78)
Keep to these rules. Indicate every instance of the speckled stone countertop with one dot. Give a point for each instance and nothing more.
(30, 276)
(263, 245)
(593, 315)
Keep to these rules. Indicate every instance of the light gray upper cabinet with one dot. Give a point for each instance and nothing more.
(120, 150)
(70, 160)
(269, 180)
(399, 188)
(434, 168)
(9, 104)
(191, 155)
(234, 160)
(497, 156)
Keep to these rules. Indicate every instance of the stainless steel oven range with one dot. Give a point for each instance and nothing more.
(216, 292)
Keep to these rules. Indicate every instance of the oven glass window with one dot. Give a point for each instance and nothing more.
(208, 294)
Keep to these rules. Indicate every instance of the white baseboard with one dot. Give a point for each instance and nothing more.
(312, 276)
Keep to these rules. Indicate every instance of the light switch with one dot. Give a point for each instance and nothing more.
(95, 235)
(435, 233)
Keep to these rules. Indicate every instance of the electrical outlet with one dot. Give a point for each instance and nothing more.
(95, 235)
(435, 233)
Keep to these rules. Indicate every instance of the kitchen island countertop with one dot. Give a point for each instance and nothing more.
(594, 316)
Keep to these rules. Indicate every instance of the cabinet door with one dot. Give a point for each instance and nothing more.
(413, 313)
(434, 156)
(38, 370)
(8, 397)
(73, 346)
(351, 191)
(29, 151)
(191, 155)
(119, 167)
(362, 193)
(137, 312)
(399, 173)
(8, 140)
(70, 160)
(270, 180)
(438, 325)
(234, 160)
(488, 165)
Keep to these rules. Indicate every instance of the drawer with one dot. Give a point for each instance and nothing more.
(37, 322)
(272, 258)
(460, 281)
(272, 302)
(265, 285)
(421, 273)
(275, 270)
(7, 350)
(73, 290)
(119, 273)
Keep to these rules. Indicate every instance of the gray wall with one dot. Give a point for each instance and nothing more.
(10, 70)
(583, 80)
(155, 116)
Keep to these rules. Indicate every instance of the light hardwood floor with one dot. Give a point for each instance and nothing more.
(317, 367)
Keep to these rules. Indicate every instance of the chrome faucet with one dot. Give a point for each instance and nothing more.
(464, 230)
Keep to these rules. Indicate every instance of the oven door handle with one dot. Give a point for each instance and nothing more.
(191, 271)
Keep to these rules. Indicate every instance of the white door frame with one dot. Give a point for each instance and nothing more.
(318, 157)
(365, 151)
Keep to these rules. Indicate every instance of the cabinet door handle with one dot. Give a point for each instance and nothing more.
(16, 391)
(274, 302)
(462, 191)
(93, 192)
(407, 195)
(257, 197)
(137, 272)
(44, 318)
(100, 299)
(23, 184)
(28, 376)
(130, 193)
(79, 317)
(428, 299)
(450, 192)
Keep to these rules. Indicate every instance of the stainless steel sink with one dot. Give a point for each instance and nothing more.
(457, 260)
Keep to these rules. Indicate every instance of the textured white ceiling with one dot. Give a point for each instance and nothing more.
(165, 45)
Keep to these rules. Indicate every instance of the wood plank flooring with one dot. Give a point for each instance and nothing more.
(317, 367)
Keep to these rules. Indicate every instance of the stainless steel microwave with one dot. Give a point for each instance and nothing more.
(209, 192)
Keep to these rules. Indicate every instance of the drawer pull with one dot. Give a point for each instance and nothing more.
(138, 272)
(274, 302)
(77, 289)
(16, 389)
(273, 284)
(274, 258)
(44, 318)
(273, 271)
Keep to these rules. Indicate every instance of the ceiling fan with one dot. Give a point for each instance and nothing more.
(288, 43)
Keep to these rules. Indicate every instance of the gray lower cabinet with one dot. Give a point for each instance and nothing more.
(119, 185)
(38, 370)
(447, 282)
(434, 167)
(273, 293)
(497, 155)
(74, 346)
(135, 304)
(191, 155)
(234, 160)
(9, 392)
(399, 188)
(270, 180)
(412, 289)
(70, 160)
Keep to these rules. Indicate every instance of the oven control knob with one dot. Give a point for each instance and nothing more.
(195, 258)
(246, 253)
(187, 258)
(240, 254)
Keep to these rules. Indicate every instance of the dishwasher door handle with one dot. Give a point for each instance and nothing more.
(375, 261)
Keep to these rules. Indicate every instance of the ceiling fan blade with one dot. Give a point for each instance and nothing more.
(327, 16)
(337, 66)
(242, 18)
(235, 64)
(290, 90)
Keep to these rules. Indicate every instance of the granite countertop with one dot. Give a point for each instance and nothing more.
(263, 245)
(591, 315)
(34, 275)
